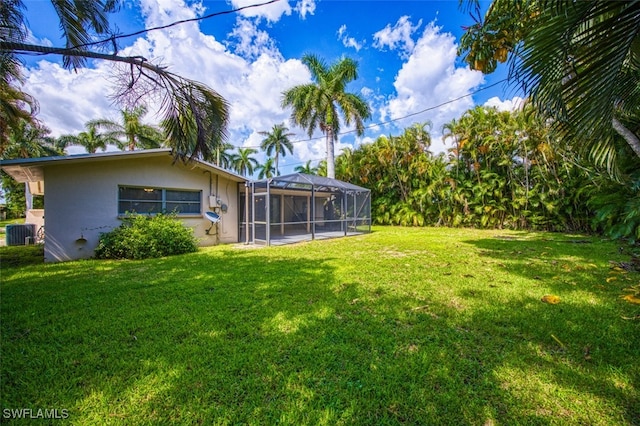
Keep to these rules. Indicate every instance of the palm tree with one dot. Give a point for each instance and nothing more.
(91, 140)
(266, 170)
(579, 62)
(221, 156)
(131, 133)
(26, 139)
(316, 105)
(12, 100)
(82, 23)
(29, 139)
(277, 142)
(322, 168)
(243, 162)
(307, 169)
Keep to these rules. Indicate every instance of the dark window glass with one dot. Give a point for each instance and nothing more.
(157, 200)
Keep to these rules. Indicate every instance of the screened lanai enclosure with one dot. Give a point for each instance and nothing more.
(300, 207)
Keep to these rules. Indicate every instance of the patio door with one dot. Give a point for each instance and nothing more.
(260, 212)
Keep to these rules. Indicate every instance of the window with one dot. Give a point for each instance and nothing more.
(158, 200)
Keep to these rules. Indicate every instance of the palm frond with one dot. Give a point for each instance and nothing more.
(577, 63)
(79, 22)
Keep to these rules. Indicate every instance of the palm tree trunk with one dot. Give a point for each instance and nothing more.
(628, 135)
(331, 161)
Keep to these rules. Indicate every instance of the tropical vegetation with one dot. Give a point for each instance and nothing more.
(194, 116)
(504, 170)
(91, 139)
(579, 63)
(146, 236)
(244, 162)
(130, 132)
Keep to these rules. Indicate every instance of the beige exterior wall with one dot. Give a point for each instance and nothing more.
(81, 201)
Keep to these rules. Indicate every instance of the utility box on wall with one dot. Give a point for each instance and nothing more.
(20, 234)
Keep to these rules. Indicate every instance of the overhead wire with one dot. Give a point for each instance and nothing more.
(504, 80)
(113, 38)
(382, 123)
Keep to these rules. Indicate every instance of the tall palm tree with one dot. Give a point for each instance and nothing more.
(318, 105)
(91, 139)
(266, 170)
(243, 162)
(277, 143)
(307, 169)
(131, 132)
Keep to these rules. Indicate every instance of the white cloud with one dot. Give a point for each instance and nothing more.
(69, 99)
(397, 37)
(304, 7)
(251, 75)
(32, 39)
(271, 12)
(507, 105)
(252, 42)
(429, 78)
(252, 86)
(347, 41)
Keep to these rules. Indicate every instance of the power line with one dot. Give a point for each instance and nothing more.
(371, 126)
(113, 38)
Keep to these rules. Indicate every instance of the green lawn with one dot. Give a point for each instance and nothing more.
(401, 326)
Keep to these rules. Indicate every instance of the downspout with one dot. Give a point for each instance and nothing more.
(268, 213)
(313, 213)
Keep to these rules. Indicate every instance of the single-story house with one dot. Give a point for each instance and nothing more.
(89, 194)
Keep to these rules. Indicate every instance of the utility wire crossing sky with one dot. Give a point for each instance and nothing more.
(408, 70)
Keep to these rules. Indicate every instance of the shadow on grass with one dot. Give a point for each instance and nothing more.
(236, 336)
(13, 256)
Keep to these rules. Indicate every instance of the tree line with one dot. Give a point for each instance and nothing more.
(569, 161)
(504, 170)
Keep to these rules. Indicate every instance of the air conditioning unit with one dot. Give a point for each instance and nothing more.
(20, 234)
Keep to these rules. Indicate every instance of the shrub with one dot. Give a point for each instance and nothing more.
(143, 237)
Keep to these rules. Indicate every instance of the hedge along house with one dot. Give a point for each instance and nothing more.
(88, 194)
(299, 207)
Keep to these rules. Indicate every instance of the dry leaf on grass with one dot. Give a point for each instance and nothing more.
(632, 298)
(551, 299)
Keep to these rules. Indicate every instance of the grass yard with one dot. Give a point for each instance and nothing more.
(401, 326)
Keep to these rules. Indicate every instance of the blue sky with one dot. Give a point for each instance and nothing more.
(405, 52)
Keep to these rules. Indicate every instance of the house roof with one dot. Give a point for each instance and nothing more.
(31, 169)
(320, 183)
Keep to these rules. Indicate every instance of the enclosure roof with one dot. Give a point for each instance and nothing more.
(318, 182)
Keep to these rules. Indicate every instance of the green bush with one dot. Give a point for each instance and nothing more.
(143, 237)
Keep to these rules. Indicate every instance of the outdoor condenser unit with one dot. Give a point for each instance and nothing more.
(17, 234)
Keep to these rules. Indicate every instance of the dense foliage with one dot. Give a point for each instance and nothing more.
(505, 170)
(577, 61)
(143, 237)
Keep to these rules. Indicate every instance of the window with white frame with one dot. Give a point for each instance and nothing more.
(158, 200)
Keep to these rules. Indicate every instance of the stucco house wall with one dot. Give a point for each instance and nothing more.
(81, 197)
